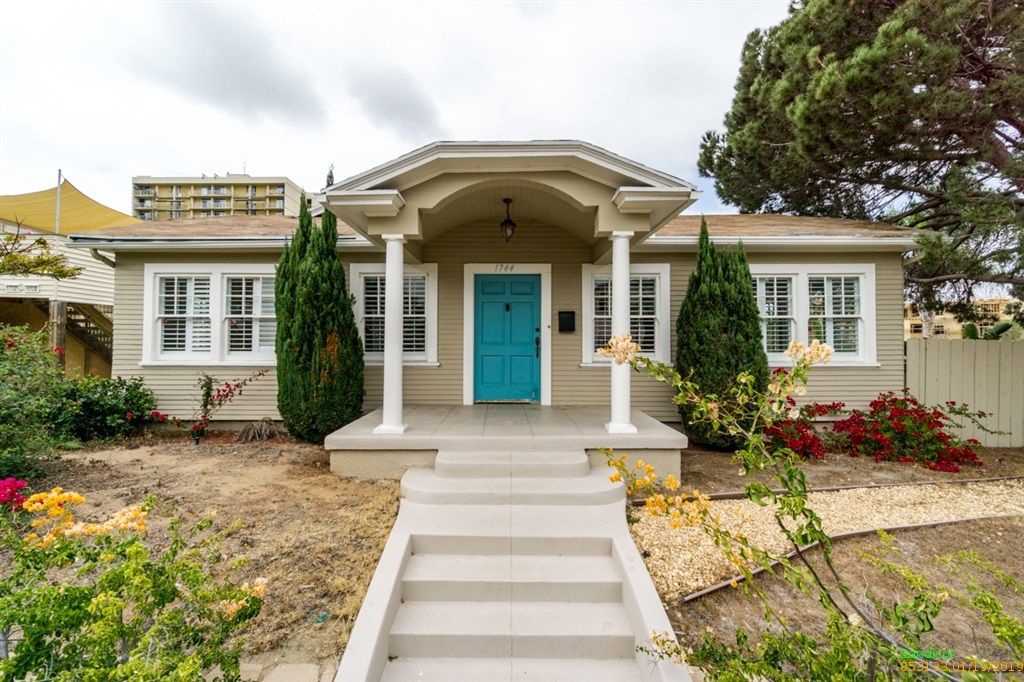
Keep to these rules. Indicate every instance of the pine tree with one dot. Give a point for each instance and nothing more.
(320, 354)
(718, 331)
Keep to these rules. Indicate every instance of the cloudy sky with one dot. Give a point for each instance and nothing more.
(108, 91)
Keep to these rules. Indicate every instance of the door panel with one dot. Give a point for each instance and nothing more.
(507, 353)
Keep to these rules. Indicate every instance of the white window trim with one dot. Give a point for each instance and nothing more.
(663, 336)
(217, 355)
(427, 359)
(867, 357)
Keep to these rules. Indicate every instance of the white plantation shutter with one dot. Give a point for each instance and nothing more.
(835, 311)
(643, 308)
(414, 309)
(373, 313)
(414, 313)
(249, 314)
(775, 303)
(183, 314)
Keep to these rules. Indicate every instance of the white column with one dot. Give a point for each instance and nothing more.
(621, 420)
(394, 277)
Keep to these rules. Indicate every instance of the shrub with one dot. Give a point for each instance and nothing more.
(31, 382)
(103, 408)
(212, 397)
(798, 431)
(718, 333)
(94, 601)
(897, 427)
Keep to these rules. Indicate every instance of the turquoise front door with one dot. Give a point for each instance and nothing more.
(507, 355)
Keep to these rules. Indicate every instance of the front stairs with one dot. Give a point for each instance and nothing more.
(508, 566)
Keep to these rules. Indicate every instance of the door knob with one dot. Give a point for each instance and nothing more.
(536, 342)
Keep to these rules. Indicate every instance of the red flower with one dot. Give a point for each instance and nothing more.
(129, 415)
(58, 350)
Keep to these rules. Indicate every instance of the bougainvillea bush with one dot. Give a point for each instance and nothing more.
(896, 427)
(97, 601)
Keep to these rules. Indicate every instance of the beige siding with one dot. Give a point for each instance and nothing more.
(175, 387)
(571, 384)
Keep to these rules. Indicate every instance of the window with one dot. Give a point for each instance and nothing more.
(648, 310)
(834, 303)
(835, 312)
(916, 328)
(419, 311)
(775, 302)
(209, 314)
(938, 330)
(184, 314)
(249, 308)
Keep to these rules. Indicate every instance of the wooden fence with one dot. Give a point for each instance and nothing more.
(987, 375)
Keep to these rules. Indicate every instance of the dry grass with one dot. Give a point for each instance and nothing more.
(316, 537)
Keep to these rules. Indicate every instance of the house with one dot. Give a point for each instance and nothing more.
(202, 196)
(78, 309)
(492, 272)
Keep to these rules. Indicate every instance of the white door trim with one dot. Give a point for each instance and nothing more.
(469, 320)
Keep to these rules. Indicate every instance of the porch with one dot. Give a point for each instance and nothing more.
(358, 449)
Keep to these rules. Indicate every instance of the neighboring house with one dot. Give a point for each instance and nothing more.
(174, 198)
(597, 247)
(78, 309)
(945, 325)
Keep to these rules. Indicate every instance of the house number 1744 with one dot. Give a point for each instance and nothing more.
(504, 267)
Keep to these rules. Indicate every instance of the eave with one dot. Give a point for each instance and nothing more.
(689, 244)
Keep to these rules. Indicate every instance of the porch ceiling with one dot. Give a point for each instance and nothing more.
(530, 204)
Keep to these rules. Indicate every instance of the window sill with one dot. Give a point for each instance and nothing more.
(405, 363)
(608, 363)
(834, 362)
(208, 363)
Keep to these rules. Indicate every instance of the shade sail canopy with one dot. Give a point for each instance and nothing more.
(78, 213)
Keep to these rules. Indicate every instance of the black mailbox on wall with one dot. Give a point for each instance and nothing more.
(566, 320)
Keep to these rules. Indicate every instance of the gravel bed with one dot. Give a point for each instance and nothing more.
(684, 560)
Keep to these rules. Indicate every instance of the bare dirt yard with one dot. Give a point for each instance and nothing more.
(315, 536)
(926, 551)
(937, 553)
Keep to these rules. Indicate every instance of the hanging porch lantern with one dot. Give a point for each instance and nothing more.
(508, 226)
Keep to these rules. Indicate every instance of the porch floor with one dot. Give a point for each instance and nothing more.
(498, 425)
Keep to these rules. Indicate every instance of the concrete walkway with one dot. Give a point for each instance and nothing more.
(508, 566)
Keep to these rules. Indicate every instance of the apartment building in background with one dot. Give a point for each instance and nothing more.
(945, 325)
(203, 196)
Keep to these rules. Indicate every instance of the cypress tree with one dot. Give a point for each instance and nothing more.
(323, 347)
(718, 331)
(290, 369)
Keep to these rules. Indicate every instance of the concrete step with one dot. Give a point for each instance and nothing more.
(476, 577)
(424, 486)
(502, 670)
(562, 545)
(486, 629)
(498, 464)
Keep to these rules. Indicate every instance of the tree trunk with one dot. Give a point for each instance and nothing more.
(927, 321)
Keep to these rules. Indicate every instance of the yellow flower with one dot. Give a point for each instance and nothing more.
(615, 478)
(670, 483)
(733, 583)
